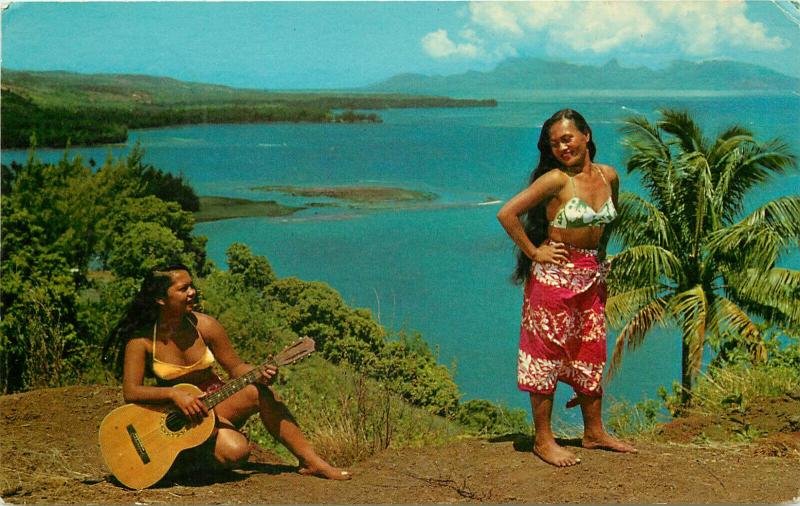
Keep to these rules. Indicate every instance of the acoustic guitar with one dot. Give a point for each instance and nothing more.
(139, 442)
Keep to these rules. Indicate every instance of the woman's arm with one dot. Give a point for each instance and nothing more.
(134, 390)
(217, 339)
(548, 185)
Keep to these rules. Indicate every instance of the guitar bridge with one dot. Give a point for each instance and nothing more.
(137, 443)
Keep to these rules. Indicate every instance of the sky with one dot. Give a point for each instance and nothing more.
(329, 45)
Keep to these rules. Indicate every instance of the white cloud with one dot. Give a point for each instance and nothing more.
(495, 16)
(698, 28)
(438, 45)
(601, 27)
(536, 15)
(504, 51)
(470, 35)
(704, 27)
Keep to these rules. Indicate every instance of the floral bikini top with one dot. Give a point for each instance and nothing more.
(167, 371)
(577, 213)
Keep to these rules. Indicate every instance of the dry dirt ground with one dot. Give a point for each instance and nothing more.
(50, 455)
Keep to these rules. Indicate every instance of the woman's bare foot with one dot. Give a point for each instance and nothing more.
(553, 454)
(605, 442)
(325, 471)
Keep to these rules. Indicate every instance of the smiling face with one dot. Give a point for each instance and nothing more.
(568, 144)
(181, 294)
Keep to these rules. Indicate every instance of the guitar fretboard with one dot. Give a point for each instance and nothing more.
(291, 354)
(234, 386)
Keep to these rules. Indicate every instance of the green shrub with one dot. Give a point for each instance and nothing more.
(484, 418)
(255, 271)
(637, 420)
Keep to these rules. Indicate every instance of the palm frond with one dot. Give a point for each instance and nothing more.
(688, 204)
(681, 125)
(703, 195)
(759, 238)
(781, 214)
(645, 265)
(726, 315)
(691, 306)
(621, 307)
(726, 202)
(633, 333)
(731, 139)
(650, 157)
(773, 293)
(745, 167)
(645, 134)
(774, 155)
(640, 222)
(732, 132)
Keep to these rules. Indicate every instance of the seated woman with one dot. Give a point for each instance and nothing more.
(161, 330)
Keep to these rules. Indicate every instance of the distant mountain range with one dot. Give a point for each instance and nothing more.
(520, 77)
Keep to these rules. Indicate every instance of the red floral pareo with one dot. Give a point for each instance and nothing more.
(563, 335)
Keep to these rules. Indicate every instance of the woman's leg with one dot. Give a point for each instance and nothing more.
(544, 444)
(594, 434)
(279, 422)
(231, 447)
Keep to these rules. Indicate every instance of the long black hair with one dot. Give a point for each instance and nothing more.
(535, 220)
(142, 310)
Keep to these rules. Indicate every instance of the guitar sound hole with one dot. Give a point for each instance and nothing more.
(176, 422)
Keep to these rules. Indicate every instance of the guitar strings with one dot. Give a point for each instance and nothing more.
(227, 390)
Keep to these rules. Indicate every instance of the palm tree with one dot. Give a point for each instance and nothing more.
(689, 258)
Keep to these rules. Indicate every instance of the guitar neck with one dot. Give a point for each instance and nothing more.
(234, 386)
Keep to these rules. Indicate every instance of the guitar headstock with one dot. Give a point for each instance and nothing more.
(298, 350)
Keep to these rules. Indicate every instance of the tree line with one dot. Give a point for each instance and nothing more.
(59, 126)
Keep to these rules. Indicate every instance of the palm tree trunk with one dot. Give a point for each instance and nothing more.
(686, 375)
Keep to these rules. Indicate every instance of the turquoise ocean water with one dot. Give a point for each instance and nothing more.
(441, 268)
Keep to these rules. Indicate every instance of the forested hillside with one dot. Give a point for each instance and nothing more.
(61, 107)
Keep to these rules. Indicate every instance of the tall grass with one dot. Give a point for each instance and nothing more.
(740, 384)
(635, 421)
(47, 339)
(349, 417)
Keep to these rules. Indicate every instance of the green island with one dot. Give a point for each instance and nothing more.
(60, 108)
(358, 194)
(212, 208)
(223, 208)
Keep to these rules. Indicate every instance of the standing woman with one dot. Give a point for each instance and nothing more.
(163, 335)
(562, 336)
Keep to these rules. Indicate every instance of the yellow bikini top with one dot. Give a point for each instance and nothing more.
(167, 371)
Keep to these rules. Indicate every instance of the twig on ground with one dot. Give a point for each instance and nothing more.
(460, 487)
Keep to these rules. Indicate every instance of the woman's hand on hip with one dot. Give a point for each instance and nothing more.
(554, 253)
